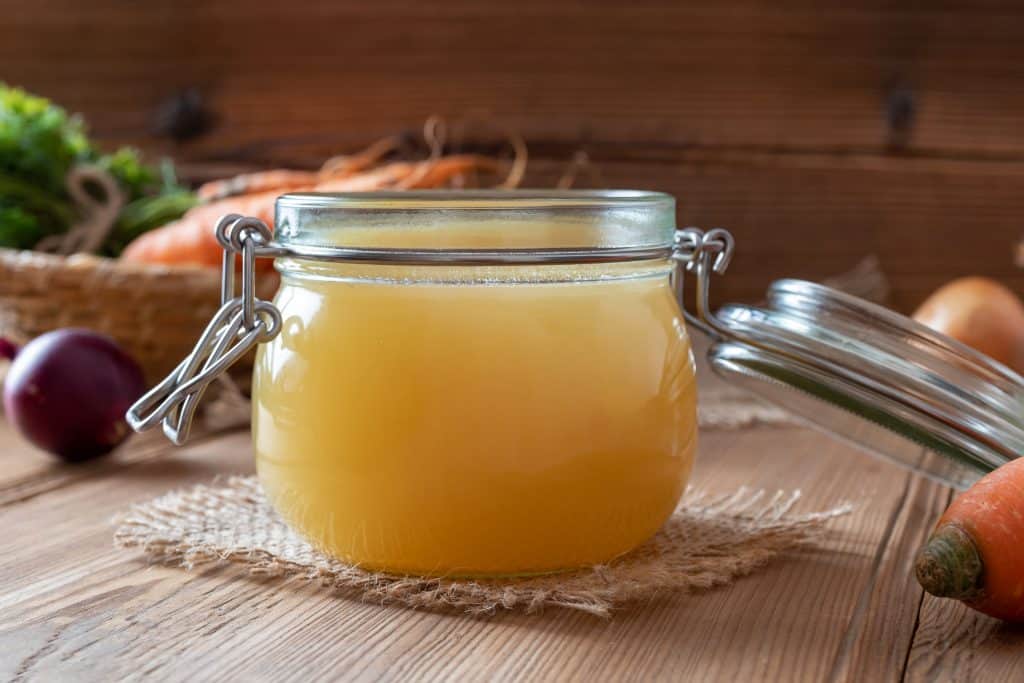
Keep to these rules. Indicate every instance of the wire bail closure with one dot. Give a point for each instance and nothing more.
(701, 253)
(240, 324)
(244, 321)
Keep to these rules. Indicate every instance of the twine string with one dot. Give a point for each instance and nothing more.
(98, 214)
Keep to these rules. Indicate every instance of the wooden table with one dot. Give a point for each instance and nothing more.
(72, 607)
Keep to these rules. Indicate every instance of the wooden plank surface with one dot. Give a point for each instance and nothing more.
(73, 607)
(880, 633)
(800, 74)
(37, 473)
(952, 643)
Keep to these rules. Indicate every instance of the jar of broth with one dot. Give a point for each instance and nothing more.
(500, 384)
(460, 383)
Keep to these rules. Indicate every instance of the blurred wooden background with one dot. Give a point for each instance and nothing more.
(818, 132)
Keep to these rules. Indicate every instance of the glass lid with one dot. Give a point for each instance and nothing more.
(867, 375)
(482, 220)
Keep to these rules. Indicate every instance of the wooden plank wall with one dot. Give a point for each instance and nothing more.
(817, 131)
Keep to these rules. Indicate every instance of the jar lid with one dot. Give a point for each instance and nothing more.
(872, 377)
(477, 225)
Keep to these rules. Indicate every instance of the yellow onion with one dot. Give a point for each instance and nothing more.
(981, 313)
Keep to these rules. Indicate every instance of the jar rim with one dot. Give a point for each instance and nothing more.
(475, 200)
(616, 223)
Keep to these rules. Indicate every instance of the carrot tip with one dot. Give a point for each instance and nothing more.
(949, 565)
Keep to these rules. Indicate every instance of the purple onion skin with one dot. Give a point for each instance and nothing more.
(67, 392)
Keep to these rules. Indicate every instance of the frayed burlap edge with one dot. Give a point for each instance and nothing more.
(710, 541)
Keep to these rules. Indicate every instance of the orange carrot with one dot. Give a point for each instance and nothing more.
(411, 174)
(190, 239)
(976, 553)
(350, 164)
(284, 180)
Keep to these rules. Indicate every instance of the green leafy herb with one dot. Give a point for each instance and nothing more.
(38, 141)
(142, 215)
(125, 166)
(18, 227)
(39, 144)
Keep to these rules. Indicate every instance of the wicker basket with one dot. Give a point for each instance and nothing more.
(157, 313)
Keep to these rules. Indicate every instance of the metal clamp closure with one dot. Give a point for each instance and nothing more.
(240, 324)
(701, 253)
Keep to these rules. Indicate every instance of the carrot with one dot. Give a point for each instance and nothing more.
(350, 164)
(190, 239)
(411, 174)
(283, 179)
(976, 553)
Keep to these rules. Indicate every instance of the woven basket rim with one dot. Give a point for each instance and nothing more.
(57, 261)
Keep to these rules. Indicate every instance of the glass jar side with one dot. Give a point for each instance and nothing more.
(479, 422)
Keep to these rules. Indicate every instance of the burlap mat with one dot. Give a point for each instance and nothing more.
(709, 541)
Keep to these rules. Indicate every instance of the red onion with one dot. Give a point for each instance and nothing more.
(67, 391)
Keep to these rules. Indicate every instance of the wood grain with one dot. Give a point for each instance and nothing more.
(814, 216)
(880, 637)
(71, 604)
(954, 643)
(38, 472)
(798, 74)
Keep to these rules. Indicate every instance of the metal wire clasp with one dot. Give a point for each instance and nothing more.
(701, 253)
(241, 323)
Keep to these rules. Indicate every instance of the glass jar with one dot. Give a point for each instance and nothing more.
(473, 383)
